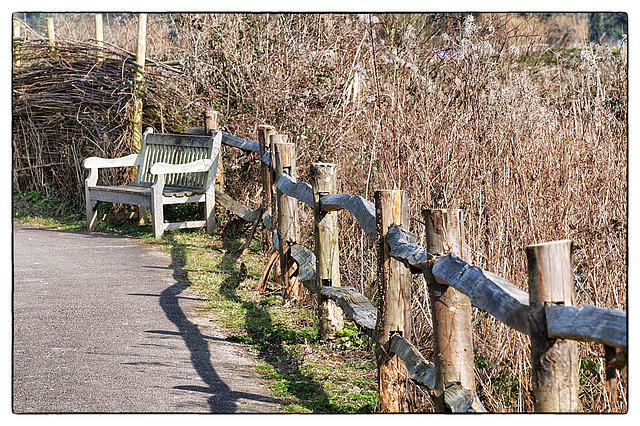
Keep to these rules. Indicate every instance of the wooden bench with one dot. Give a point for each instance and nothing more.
(172, 169)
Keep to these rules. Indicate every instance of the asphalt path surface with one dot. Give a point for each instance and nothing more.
(102, 324)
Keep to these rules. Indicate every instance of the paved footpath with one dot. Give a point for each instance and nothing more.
(102, 325)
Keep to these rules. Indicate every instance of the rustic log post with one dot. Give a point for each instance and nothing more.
(17, 40)
(394, 306)
(288, 225)
(141, 52)
(51, 35)
(273, 139)
(268, 205)
(555, 363)
(211, 123)
(452, 313)
(136, 121)
(136, 124)
(323, 182)
(611, 377)
(99, 37)
(210, 120)
(264, 139)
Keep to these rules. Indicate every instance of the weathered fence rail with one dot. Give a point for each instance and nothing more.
(485, 290)
(506, 302)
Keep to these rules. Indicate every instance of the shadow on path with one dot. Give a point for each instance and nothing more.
(223, 399)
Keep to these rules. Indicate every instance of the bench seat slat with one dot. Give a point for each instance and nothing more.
(127, 194)
(169, 191)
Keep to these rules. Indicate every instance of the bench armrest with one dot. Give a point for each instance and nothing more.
(100, 163)
(194, 166)
(95, 163)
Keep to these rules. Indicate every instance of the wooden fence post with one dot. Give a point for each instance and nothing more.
(394, 306)
(452, 313)
(141, 52)
(210, 120)
(211, 123)
(268, 196)
(99, 37)
(136, 121)
(17, 40)
(288, 225)
(51, 35)
(555, 363)
(323, 182)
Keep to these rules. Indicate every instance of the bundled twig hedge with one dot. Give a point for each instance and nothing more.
(68, 106)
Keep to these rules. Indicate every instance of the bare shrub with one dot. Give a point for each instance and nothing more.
(479, 112)
(529, 141)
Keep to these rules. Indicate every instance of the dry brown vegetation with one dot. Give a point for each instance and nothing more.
(459, 111)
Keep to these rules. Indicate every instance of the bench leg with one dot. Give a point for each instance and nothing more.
(157, 218)
(92, 214)
(142, 215)
(209, 212)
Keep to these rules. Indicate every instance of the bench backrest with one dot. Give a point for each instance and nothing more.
(175, 149)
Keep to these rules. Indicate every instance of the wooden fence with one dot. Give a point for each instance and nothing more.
(547, 313)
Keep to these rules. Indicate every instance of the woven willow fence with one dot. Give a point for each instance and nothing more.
(73, 100)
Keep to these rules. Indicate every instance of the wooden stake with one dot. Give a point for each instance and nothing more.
(288, 225)
(211, 123)
(268, 196)
(555, 363)
(99, 37)
(394, 306)
(136, 122)
(271, 138)
(451, 309)
(141, 52)
(210, 120)
(323, 182)
(51, 35)
(17, 40)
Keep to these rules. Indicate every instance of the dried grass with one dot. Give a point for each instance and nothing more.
(461, 113)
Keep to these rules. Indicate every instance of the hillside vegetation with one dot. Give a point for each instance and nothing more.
(516, 119)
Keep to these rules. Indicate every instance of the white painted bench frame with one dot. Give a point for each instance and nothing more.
(155, 195)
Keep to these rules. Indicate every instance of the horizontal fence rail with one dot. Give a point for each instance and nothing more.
(506, 302)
